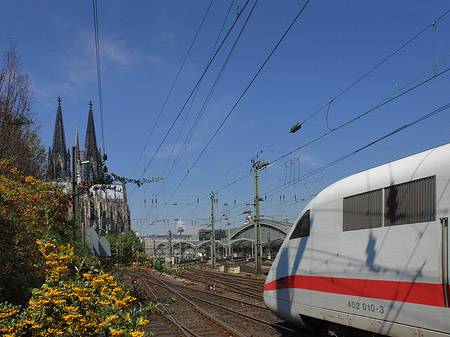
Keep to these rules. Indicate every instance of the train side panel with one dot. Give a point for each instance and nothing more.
(387, 279)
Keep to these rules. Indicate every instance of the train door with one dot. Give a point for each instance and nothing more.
(445, 259)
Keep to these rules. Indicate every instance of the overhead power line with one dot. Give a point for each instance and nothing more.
(188, 137)
(374, 108)
(244, 92)
(357, 81)
(363, 114)
(99, 73)
(292, 182)
(190, 95)
(213, 87)
(328, 104)
(334, 162)
(431, 25)
(173, 84)
(236, 210)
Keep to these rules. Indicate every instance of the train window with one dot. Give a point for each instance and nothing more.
(363, 211)
(302, 227)
(411, 202)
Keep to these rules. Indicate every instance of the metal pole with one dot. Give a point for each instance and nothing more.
(75, 190)
(253, 251)
(126, 224)
(213, 235)
(257, 227)
(120, 244)
(170, 246)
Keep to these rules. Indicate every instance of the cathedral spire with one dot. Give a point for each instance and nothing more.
(59, 156)
(91, 139)
(92, 152)
(59, 138)
(77, 142)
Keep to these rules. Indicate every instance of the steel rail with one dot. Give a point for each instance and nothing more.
(221, 296)
(256, 319)
(233, 288)
(167, 315)
(204, 313)
(252, 318)
(223, 325)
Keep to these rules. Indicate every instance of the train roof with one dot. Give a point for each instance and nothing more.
(423, 164)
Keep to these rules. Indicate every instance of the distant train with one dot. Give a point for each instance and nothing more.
(371, 252)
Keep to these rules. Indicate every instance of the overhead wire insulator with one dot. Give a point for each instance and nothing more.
(295, 127)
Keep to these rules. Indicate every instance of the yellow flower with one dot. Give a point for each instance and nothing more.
(137, 334)
(113, 318)
(8, 314)
(116, 332)
(70, 308)
(144, 322)
(84, 298)
(88, 276)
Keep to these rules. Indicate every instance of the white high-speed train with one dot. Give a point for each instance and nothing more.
(371, 252)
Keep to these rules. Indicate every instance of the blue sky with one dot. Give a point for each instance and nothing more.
(142, 47)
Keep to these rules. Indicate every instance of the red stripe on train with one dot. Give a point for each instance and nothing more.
(410, 292)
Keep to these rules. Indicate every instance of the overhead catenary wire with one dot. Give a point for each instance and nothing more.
(208, 98)
(208, 195)
(190, 95)
(383, 103)
(377, 66)
(334, 162)
(237, 210)
(291, 183)
(173, 84)
(377, 106)
(188, 137)
(244, 92)
(386, 101)
(212, 89)
(99, 73)
(328, 104)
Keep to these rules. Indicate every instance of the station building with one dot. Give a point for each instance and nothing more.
(230, 243)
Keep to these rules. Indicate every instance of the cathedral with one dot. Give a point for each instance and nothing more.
(104, 211)
(58, 156)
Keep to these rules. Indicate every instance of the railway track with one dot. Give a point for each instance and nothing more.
(242, 285)
(193, 311)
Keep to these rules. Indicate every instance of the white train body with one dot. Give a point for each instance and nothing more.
(371, 252)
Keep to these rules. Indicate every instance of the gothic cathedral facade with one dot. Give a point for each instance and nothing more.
(105, 211)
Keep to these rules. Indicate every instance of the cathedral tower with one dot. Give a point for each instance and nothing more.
(91, 152)
(58, 154)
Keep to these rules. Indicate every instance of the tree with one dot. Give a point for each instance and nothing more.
(18, 123)
(130, 244)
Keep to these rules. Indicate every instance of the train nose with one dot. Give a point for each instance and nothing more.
(269, 300)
